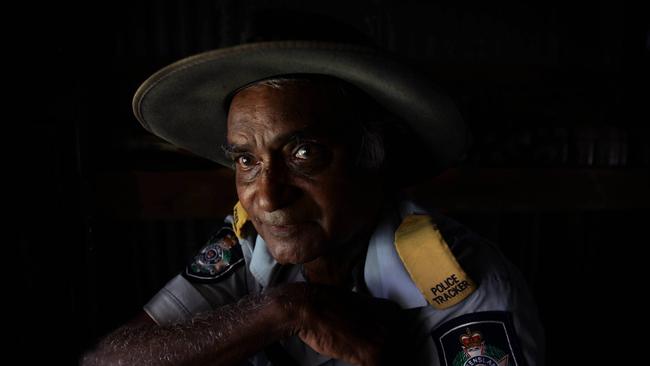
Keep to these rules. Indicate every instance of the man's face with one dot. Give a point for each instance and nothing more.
(295, 172)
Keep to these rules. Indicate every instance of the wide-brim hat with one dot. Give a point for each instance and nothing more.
(185, 103)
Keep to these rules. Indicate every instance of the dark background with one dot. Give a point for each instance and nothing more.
(555, 92)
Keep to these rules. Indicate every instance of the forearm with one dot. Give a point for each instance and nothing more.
(228, 335)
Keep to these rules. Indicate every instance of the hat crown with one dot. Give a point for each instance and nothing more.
(284, 25)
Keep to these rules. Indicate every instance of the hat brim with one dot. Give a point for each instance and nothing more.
(183, 103)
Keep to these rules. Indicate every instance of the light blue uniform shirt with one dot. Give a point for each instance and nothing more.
(500, 288)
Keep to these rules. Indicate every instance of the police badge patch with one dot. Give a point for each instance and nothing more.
(478, 339)
(218, 258)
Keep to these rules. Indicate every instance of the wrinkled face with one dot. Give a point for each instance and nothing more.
(295, 170)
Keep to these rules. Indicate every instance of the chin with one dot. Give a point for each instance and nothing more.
(291, 253)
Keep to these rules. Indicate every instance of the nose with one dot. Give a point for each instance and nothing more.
(274, 190)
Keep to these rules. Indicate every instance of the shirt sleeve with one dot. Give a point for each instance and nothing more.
(180, 299)
(501, 312)
(217, 275)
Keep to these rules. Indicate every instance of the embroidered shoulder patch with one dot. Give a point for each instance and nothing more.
(430, 263)
(218, 258)
(485, 338)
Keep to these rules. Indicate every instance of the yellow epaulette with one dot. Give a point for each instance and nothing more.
(240, 217)
(430, 262)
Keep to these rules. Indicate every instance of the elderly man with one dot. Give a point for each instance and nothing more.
(322, 262)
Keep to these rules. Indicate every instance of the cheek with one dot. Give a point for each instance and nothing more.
(245, 195)
(342, 207)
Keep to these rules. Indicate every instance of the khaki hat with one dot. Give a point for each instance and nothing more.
(185, 103)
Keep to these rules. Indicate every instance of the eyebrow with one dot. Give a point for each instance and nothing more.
(304, 134)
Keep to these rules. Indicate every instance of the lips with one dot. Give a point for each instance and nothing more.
(279, 219)
(283, 231)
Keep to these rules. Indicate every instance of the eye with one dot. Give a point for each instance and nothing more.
(245, 161)
(309, 151)
(308, 157)
(303, 152)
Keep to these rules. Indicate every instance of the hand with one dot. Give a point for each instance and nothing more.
(355, 328)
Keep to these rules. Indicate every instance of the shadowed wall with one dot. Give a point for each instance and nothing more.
(555, 95)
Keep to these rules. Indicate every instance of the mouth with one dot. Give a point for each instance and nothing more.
(283, 231)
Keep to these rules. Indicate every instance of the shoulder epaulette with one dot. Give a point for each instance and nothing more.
(430, 263)
(240, 217)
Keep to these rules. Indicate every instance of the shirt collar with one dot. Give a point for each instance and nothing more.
(381, 260)
(263, 266)
(384, 273)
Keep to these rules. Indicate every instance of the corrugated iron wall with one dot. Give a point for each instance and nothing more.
(547, 86)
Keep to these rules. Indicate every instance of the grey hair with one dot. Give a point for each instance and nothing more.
(279, 83)
(372, 150)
